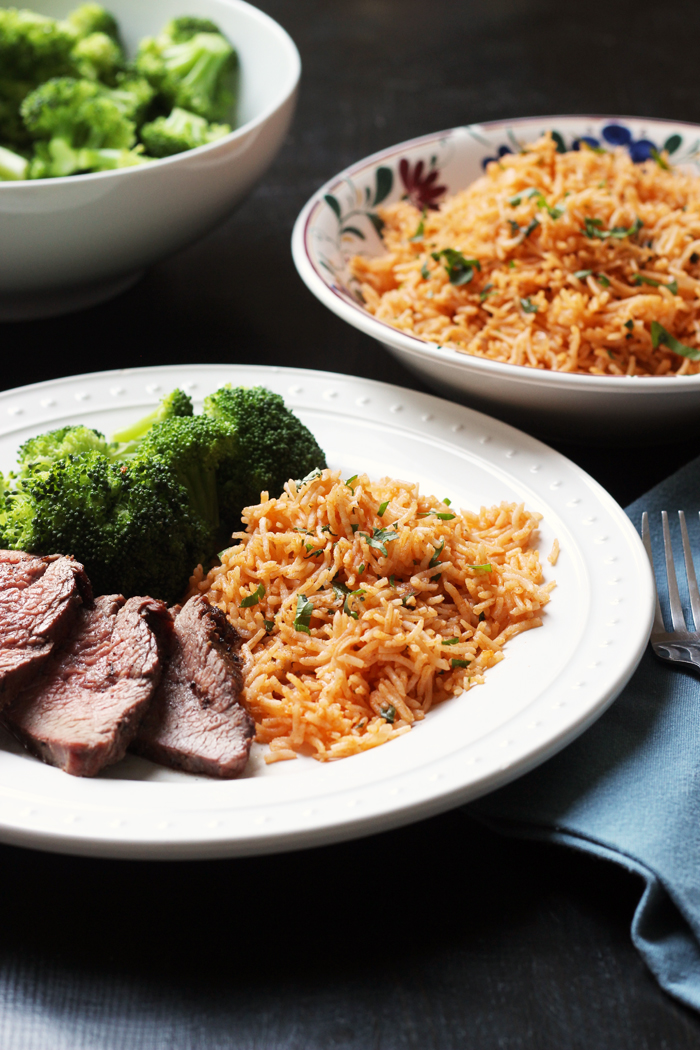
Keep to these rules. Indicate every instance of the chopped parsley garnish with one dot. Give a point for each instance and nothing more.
(380, 537)
(481, 568)
(583, 274)
(629, 324)
(349, 483)
(450, 641)
(327, 528)
(407, 597)
(660, 337)
(460, 663)
(447, 502)
(511, 264)
(602, 280)
(594, 228)
(660, 160)
(485, 292)
(361, 569)
(382, 508)
(528, 306)
(392, 581)
(420, 231)
(354, 527)
(438, 551)
(313, 554)
(514, 227)
(385, 536)
(253, 599)
(425, 272)
(530, 228)
(388, 712)
(315, 473)
(639, 278)
(459, 270)
(269, 625)
(303, 614)
(555, 213)
(344, 595)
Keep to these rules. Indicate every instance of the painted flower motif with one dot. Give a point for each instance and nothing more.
(611, 135)
(421, 188)
(619, 135)
(502, 150)
(587, 140)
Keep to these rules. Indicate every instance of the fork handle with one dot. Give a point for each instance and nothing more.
(687, 654)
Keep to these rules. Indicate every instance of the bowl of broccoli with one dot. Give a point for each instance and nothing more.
(126, 133)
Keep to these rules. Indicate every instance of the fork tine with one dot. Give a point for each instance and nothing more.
(674, 598)
(658, 627)
(690, 572)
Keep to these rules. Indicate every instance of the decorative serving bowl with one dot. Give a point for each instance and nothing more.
(341, 221)
(71, 242)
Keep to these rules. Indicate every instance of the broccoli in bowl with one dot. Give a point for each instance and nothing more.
(72, 102)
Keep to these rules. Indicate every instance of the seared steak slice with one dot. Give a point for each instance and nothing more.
(40, 600)
(82, 711)
(196, 721)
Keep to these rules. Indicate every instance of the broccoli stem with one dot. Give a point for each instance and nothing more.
(201, 487)
(13, 167)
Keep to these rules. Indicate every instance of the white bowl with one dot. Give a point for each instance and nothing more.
(340, 221)
(71, 242)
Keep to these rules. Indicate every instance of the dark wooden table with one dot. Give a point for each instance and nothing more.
(441, 935)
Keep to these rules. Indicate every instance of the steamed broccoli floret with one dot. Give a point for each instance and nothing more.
(98, 57)
(191, 67)
(133, 94)
(176, 404)
(274, 446)
(81, 129)
(131, 525)
(193, 448)
(140, 523)
(12, 166)
(142, 511)
(39, 453)
(33, 47)
(12, 128)
(179, 132)
(91, 18)
(182, 29)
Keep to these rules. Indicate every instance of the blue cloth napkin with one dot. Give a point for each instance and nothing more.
(629, 789)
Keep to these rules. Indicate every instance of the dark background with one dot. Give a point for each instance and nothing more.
(441, 935)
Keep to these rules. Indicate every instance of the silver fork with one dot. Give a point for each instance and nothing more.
(679, 646)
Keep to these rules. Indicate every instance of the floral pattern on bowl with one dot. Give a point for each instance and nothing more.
(345, 222)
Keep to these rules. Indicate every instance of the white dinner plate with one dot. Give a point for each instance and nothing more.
(554, 682)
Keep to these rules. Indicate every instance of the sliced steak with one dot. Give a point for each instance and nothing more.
(196, 722)
(40, 601)
(84, 708)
